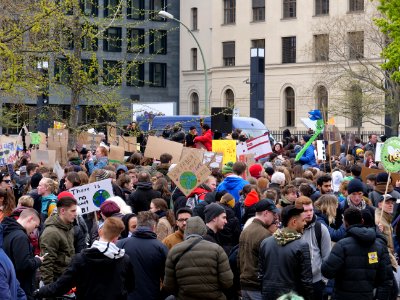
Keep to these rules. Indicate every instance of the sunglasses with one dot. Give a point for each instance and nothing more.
(7, 181)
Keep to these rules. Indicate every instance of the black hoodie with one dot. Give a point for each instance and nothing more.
(140, 199)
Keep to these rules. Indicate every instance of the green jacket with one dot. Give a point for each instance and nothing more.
(57, 240)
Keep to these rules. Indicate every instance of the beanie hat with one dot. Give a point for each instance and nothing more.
(278, 178)
(255, 170)
(195, 225)
(227, 168)
(382, 177)
(251, 198)
(108, 208)
(123, 168)
(337, 178)
(306, 138)
(355, 185)
(35, 179)
(102, 174)
(65, 194)
(212, 211)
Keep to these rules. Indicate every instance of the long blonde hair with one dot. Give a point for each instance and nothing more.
(327, 204)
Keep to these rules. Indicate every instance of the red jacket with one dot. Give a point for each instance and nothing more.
(205, 139)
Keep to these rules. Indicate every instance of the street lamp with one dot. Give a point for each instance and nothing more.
(167, 15)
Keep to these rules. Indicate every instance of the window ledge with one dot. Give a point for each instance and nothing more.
(321, 15)
(228, 24)
(288, 19)
(257, 21)
(351, 12)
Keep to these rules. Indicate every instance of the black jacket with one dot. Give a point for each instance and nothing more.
(148, 256)
(229, 236)
(359, 263)
(20, 251)
(140, 199)
(95, 276)
(285, 267)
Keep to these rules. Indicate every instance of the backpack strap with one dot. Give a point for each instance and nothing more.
(318, 233)
(186, 250)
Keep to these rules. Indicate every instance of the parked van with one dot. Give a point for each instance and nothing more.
(250, 126)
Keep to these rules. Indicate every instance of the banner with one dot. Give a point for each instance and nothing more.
(8, 149)
(213, 160)
(58, 140)
(241, 148)
(157, 146)
(91, 196)
(189, 173)
(227, 148)
(259, 146)
(116, 154)
(47, 157)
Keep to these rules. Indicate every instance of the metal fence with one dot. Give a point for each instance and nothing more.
(278, 134)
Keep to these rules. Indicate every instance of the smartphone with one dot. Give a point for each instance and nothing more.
(45, 254)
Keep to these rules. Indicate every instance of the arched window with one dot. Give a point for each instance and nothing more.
(229, 98)
(290, 105)
(355, 99)
(195, 103)
(322, 101)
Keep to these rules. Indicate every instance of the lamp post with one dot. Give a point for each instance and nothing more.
(43, 98)
(167, 15)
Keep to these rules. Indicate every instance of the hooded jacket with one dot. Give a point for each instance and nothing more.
(233, 184)
(99, 164)
(285, 265)
(9, 285)
(140, 199)
(358, 263)
(100, 272)
(19, 249)
(308, 157)
(205, 139)
(57, 240)
(203, 272)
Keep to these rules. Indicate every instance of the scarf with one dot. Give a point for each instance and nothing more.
(286, 235)
(360, 206)
(109, 249)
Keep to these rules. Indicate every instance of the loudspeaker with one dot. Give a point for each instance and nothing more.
(221, 119)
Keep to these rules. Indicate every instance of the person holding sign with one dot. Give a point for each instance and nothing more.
(101, 159)
(205, 140)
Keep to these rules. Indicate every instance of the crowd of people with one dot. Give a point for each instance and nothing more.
(275, 229)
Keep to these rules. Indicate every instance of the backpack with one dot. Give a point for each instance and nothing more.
(318, 234)
(193, 201)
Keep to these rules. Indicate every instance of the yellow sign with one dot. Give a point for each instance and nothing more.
(227, 148)
(372, 257)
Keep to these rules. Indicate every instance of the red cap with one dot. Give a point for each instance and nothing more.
(255, 170)
(65, 194)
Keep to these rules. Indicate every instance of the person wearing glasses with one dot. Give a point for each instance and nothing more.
(5, 181)
(182, 215)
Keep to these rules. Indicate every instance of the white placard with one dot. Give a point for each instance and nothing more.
(58, 170)
(259, 146)
(321, 152)
(91, 196)
(378, 151)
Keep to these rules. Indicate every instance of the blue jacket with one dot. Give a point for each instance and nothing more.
(100, 164)
(233, 185)
(9, 285)
(308, 157)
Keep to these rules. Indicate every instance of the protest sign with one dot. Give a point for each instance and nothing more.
(189, 173)
(227, 148)
(198, 152)
(8, 148)
(59, 125)
(91, 196)
(58, 140)
(332, 133)
(129, 143)
(378, 151)
(366, 171)
(35, 138)
(212, 159)
(390, 155)
(321, 154)
(259, 146)
(241, 148)
(249, 160)
(90, 140)
(58, 170)
(112, 133)
(116, 154)
(157, 146)
(47, 157)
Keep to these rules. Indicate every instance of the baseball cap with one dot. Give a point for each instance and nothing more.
(266, 204)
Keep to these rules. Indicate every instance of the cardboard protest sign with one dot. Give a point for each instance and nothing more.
(58, 140)
(90, 140)
(58, 170)
(189, 173)
(366, 171)
(91, 196)
(112, 133)
(350, 140)
(378, 151)
(227, 148)
(259, 146)
(35, 138)
(321, 154)
(198, 152)
(213, 160)
(47, 157)
(129, 143)
(249, 160)
(334, 148)
(157, 146)
(332, 133)
(116, 154)
(8, 148)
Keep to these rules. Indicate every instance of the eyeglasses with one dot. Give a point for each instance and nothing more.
(183, 220)
(7, 181)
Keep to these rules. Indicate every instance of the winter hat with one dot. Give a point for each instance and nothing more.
(269, 170)
(122, 167)
(195, 225)
(306, 138)
(227, 168)
(278, 178)
(35, 179)
(387, 197)
(255, 170)
(65, 194)
(212, 211)
(102, 174)
(382, 178)
(251, 198)
(355, 185)
(108, 208)
(123, 207)
(359, 151)
(227, 199)
(337, 178)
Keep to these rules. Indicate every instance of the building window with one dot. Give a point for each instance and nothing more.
(321, 7)
(258, 43)
(228, 49)
(112, 41)
(321, 47)
(258, 10)
(322, 99)
(194, 58)
(135, 74)
(229, 98)
(112, 8)
(91, 69)
(195, 103)
(288, 49)
(158, 42)
(67, 41)
(135, 40)
(158, 74)
(90, 7)
(290, 105)
(112, 73)
(135, 9)
(89, 38)
(356, 5)
(62, 71)
(289, 9)
(194, 18)
(229, 11)
(356, 44)
(155, 7)
(355, 99)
